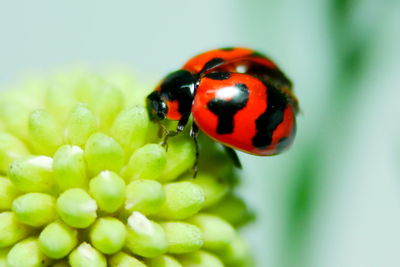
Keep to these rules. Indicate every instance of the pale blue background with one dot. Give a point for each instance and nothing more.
(355, 215)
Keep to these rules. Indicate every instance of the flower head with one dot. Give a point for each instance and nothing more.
(85, 182)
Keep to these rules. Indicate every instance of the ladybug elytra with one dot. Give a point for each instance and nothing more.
(236, 96)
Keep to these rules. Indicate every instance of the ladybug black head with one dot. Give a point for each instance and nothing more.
(156, 107)
(177, 86)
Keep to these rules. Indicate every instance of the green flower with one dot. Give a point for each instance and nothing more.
(84, 181)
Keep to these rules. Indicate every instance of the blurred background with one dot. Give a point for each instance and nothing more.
(334, 198)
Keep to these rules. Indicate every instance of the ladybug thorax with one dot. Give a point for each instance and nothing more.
(173, 97)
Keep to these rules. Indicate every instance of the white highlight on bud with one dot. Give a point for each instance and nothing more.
(140, 224)
(42, 161)
(76, 150)
(90, 206)
(87, 251)
(106, 174)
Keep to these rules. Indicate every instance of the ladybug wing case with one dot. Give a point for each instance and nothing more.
(244, 113)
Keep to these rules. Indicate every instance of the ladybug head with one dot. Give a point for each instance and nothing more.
(156, 106)
(177, 87)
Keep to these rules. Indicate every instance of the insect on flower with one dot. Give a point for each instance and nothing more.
(237, 96)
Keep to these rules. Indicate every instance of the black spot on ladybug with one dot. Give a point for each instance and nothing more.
(212, 63)
(225, 109)
(267, 122)
(218, 75)
(229, 48)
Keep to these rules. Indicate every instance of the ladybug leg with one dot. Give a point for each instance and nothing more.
(234, 157)
(162, 130)
(182, 123)
(167, 133)
(194, 132)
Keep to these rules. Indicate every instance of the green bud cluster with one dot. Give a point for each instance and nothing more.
(85, 181)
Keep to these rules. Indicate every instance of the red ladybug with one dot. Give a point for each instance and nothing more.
(237, 96)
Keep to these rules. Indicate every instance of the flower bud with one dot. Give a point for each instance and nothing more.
(214, 189)
(103, 153)
(147, 162)
(86, 256)
(76, 208)
(45, 133)
(32, 174)
(180, 158)
(59, 102)
(3, 256)
(26, 254)
(11, 148)
(233, 210)
(69, 168)
(183, 199)
(7, 193)
(236, 254)
(108, 235)
(182, 237)
(81, 124)
(109, 102)
(35, 209)
(217, 233)
(122, 259)
(200, 258)
(145, 238)
(57, 240)
(11, 230)
(145, 196)
(163, 261)
(108, 189)
(130, 128)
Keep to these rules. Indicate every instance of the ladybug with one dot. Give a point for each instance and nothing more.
(237, 96)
